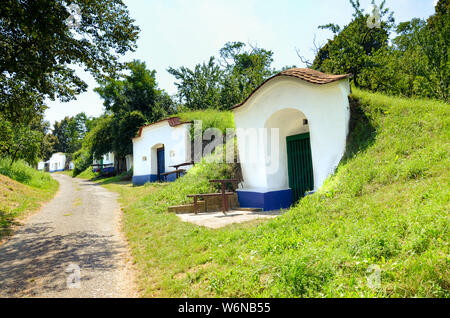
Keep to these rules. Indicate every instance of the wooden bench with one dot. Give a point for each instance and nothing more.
(178, 173)
(190, 163)
(222, 194)
(205, 195)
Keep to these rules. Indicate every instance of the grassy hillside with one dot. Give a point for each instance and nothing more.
(88, 174)
(384, 211)
(210, 119)
(22, 190)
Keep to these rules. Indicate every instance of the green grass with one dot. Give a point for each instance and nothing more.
(22, 191)
(21, 172)
(66, 172)
(210, 119)
(386, 206)
(87, 174)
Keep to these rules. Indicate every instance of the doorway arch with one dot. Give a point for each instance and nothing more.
(295, 169)
(158, 160)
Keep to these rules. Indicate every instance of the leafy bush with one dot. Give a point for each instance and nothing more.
(386, 205)
(24, 173)
(210, 119)
(22, 189)
(87, 174)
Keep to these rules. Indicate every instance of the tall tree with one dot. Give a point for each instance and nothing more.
(137, 91)
(69, 133)
(245, 69)
(353, 46)
(41, 41)
(129, 102)
(437, 50)
(222, 84)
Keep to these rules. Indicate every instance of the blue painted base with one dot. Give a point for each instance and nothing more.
(140, 180)
(59, 170)
(108, 170)
(105, 170)
(268, 201)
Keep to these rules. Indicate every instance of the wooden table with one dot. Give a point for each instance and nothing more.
(178, 173)
(223, 191)
(206, 195)
(183, 164)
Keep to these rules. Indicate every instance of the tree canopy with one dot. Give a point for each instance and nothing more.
(38, 45)
(413, 63)
(224, 82)
(352, 48)
(42, 43)
(130, 101)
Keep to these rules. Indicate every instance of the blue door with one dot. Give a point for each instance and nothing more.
(160, 162)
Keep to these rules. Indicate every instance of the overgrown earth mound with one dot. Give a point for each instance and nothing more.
(22, 190)
(378, 227)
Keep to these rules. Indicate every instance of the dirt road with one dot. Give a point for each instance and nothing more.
(73, 247)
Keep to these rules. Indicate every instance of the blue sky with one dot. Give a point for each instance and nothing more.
(186, 32)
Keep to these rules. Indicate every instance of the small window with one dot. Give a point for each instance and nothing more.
(305, 122)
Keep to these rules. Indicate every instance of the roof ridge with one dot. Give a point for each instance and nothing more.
(305, 74)
(173, 122)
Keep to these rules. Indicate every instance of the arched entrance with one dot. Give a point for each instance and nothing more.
(158, 160)
(300, 168)
(295, 156)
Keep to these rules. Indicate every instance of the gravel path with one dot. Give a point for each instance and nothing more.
(77, 232)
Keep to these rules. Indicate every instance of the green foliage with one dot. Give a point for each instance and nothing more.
(415, 64)
(210, 118)
(21, 197)
(125, 128)
(244, 71)
(48, 146)
(130, 102)
(386, 205)
(222, 84)
(137, 91)
(87, 174)
(352, 48)
(22, 172)
(38, 45)
(96, 141)
(69, 133)
(199, 88)
(19, 141)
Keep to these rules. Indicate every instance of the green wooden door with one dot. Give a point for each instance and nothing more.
(300, 168)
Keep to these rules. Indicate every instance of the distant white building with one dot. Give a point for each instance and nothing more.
(41, 165)
(106, 164)
(57, 162)
(305, 114)
(159, 146)
(129, 162)
(71, 165)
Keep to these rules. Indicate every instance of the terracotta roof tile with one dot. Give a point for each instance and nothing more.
(306, 74)
(173, 122)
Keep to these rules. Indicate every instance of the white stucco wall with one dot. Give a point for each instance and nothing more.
(57, 162)
(41, 165)
(284, 102)
(107, 159)
(129, 161)
(176, 141)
